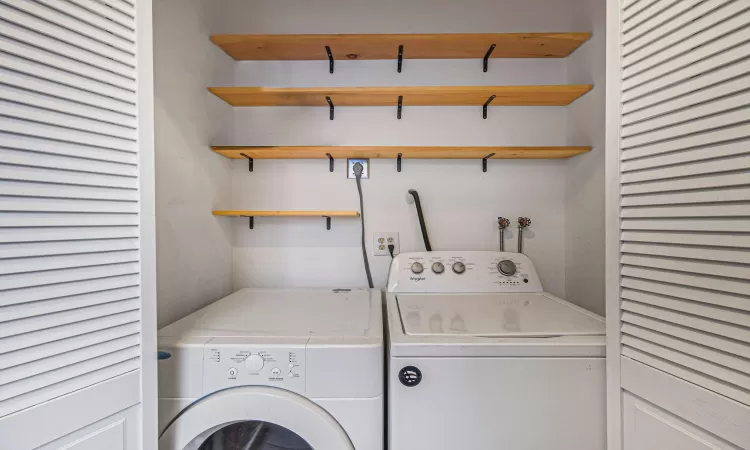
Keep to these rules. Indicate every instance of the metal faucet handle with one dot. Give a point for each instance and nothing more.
(523, 222)
(502, 222)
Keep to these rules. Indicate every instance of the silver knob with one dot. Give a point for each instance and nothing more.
(438, 267)
(459, 267)
(417, 267)
(507, 267)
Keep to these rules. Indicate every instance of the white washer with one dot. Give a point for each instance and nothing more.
(262, 368)
(481, 358)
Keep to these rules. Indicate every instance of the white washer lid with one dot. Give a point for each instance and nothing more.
(494, 315)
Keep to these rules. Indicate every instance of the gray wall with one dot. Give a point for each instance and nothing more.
(194, 250)
(584, 190)
(202, 257)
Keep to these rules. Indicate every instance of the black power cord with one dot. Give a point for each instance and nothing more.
(391, 247)
(358, 175)
(422, 225)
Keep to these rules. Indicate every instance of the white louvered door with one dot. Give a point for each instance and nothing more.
(679, 241)
(76, 224)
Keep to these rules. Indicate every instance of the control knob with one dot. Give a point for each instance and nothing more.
(438, 267)
(254, 363)
(417, 267)
(459, 267)
(507, 267)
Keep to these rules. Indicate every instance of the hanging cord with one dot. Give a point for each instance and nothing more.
(422, 225)
(391, 248)
(358, 175)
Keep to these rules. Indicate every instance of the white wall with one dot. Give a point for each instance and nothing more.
(194, 250)
(584, 195)
(461, 203)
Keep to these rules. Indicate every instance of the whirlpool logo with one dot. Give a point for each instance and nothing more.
(417, 278)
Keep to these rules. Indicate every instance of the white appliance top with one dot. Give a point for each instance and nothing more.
(463, 271)
(482, 304)
(494, 315)
(285, 313)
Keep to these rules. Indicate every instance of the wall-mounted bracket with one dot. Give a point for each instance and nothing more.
(400, 57)
(249, 162)
(330, 162)
(328, 222)
(486, 104)
(330, 106)
(330, 59)
(251, 222)
(400, 105)
(398, 163)
(484, 161)
(486, 57)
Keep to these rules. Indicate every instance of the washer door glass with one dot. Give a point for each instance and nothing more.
(254, 435)
(253, 418)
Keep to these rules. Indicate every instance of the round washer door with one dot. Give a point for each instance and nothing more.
(281, 410)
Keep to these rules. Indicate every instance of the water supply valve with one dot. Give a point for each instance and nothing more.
(523, 222)
(502, 224)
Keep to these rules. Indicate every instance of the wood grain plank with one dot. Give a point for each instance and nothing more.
(385, 46)
(553, 95)
(255, 213)
(320, 152)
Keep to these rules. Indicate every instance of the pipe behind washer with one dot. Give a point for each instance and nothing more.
(523, 222)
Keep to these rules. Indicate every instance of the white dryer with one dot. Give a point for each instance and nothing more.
(262, 368)
(481, 358)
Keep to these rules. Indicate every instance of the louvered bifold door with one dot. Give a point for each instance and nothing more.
(69, 198)
(685, 191)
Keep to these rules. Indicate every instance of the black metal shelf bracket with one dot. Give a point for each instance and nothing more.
(249, 162)
(398, 163)
(330, 106)
(486, 104)
(251, 223)
(330, 59)
(400, 57)
(484, 161)
(486, 57)
(330, 162)
(400, 105)
(328, 222)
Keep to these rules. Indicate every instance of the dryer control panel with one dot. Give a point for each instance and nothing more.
(229, 362)
(463, 271)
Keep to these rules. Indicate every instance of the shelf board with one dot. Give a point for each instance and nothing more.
(253, 213)
(552, 95)
(263, 47)
(321, 152)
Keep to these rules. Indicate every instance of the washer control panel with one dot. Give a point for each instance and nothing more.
(229, 362)
(469, 271)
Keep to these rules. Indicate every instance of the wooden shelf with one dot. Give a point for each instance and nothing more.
(254, 213)
(554, 95)
(385, 46)
(321, 152)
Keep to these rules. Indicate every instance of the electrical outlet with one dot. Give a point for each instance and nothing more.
(365, 168)
(381, 242)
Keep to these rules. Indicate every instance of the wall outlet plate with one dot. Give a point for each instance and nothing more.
(350, 167)
(382, 239)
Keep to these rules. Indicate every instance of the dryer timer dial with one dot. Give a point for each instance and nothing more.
(254, 363)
